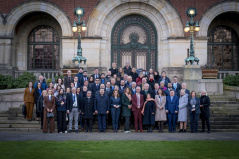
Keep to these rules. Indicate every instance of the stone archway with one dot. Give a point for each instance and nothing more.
(37, 6)
(20, 42)
(163, 16)
(214, 11)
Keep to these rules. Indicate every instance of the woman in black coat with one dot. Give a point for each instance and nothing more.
(151, 81)
(61, 111)
(37, 93)
(205, 112)
(148, 112)
(40, 106)
(194, 112)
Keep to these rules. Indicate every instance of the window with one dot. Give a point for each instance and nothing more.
(43, 49)
(223, 48)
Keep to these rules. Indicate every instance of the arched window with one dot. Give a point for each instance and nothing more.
(43, 48)
(223, 48)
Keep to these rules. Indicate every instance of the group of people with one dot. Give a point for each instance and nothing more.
(121, 97)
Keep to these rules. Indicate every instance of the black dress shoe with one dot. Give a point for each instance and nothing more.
(208, 131)
(202, 131)
(69, 131)
(181, 130)
(185, 130)
(100, 131)
(77, 131)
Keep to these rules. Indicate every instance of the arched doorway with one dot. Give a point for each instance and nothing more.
(134, 40)
(43, 48)
(223, 48)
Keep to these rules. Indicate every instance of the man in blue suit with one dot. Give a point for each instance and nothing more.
(102, 109)
(171, 108)
(167, 91)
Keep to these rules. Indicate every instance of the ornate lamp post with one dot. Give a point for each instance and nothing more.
(79, 26)
(191, 26)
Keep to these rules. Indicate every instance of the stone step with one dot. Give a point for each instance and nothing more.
(234, 112)
(219, 119)
(3, 118)
(224, 108)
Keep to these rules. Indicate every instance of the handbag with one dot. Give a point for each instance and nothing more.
(24, 111)
(50, 115)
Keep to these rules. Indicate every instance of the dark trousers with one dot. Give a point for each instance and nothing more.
(81, 120)
(138, 119)
(115, 113)
(126, 124)
(61, 121)
(172, 122)
(203, 124)
(88, 124)
(38, 114)
(194, 121)
(102, 122)
(109, 118)
(42, 115)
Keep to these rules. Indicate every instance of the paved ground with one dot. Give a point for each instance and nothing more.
(24, 136)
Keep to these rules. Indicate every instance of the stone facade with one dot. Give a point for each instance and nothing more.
(168, 17)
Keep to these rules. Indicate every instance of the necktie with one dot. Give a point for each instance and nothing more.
(171, 99)
(74, 98)
(49, 98)
(103, 81)
(88, 100)
(69, 78)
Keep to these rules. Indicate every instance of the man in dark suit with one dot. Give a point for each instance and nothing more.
(127, 68)
(184, 87)
(145, 91)
(171, 108)
(108, 76)
(82, 95)
(102, 109)
(108, 90)
(122, 87)
(87, 110)
(176, 85)
(96, 74)
(86, 83)
(84, 78)
(95, 86)
(167, 91)
(137, 105)
(155, 91)
(144, 81)
(80, 74)
(102, 78)
(133, 88)
(129, 81)
(76, 83)
(97, 93)
(68, 79)
(73, 108)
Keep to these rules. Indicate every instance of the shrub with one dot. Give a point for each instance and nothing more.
(231, 80)
(7, 82)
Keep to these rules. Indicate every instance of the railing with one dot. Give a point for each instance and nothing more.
(47, 74)
(223, 74)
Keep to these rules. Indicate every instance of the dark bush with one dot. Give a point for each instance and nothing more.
(7, 82)
(231, 80)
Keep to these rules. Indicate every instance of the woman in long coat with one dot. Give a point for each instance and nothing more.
(194, 112)
(126, 103)
(160, 114)
(182, 111)
(49, 106)
(149, 112)
(205, 112)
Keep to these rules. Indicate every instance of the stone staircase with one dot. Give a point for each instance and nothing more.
(224, 118)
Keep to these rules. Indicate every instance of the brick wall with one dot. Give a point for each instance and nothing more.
(68, 6)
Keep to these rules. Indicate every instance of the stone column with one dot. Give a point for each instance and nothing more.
(191, 75)
(5, 57)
